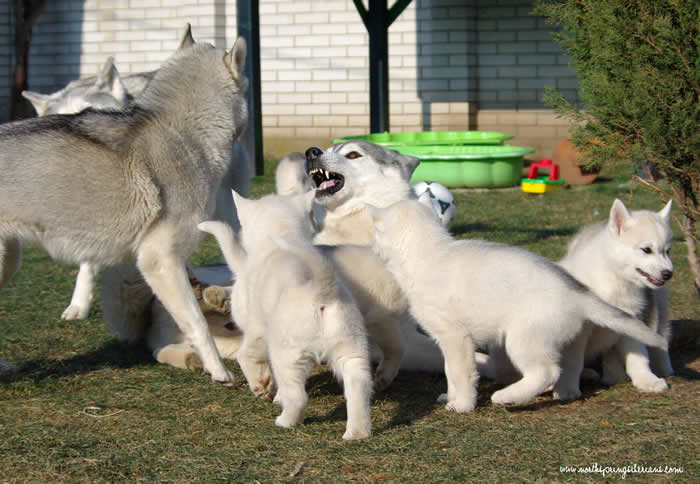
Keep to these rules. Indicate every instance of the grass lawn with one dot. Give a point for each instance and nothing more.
(84, 407)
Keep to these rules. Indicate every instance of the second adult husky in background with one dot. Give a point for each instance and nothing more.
(109, 187)
(106, 91)
(293, 309)
(472, 292)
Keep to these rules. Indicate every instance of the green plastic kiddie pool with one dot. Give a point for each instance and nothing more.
(431, 138)
(468, 166)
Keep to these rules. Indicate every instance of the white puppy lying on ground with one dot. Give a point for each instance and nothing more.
(471, 292)
(293, 309)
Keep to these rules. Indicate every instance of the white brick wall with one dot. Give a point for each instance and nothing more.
(454, 64)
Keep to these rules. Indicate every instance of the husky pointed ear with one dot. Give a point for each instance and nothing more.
(408, 165)
(109, 80)
(235, 59)
(665, 212)
(38, 100)
(619, 217)
(239, 200)
(187, 39)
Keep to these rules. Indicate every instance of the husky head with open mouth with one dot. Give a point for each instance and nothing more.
(359, 172)
(642, 242)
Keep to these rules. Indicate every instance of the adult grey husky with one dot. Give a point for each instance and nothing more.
(108, 187)
(109, 90)
(472, 292)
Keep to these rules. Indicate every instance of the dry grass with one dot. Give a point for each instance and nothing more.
(86, 408)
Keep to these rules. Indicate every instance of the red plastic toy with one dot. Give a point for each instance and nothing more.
(544, 163)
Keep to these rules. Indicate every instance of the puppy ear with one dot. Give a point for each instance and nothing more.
(38, 100)
(187, 39)
(619, 217)
(665, 212)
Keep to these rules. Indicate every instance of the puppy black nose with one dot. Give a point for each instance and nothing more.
(666, 275)
(313, 153)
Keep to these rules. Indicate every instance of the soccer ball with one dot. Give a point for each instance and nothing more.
(443, 201)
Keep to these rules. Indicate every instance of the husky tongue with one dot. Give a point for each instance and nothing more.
(327, 184)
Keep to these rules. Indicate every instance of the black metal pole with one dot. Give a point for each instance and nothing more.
(377, 27)
(247, 13)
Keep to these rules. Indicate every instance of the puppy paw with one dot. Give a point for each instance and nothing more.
(357, 434)
(74, 312)
(287, 421)
(224, 377)
(382, 380)
(193, 361)
(650, 384)
(442, 398)
(460, 406)
(504, 397)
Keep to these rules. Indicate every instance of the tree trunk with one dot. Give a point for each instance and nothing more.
(26, 14)
(689, 231)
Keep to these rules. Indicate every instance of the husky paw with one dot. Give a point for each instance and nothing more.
(286, 421)
(650, 384)
(225, 377)
(356, 434)
(74, 311)
(566, 394)
(590, 375)
(193, 361)
(382, 380)
(264, 388)
(459, 406)
(505, 397)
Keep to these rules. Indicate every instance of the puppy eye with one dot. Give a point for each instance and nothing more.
(647, 250)
(352, 155)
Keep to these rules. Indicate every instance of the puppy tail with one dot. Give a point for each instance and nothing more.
(126, 302)
(605, 315)
(234, 254)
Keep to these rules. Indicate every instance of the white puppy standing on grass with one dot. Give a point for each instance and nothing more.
(471, 292)
(626, 262)
(293, 309)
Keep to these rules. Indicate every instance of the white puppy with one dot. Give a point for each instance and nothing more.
(470, 292)
(293, 309)
(626, 262)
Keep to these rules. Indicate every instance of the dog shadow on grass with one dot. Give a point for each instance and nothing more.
(112, 354)
(525, 234)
